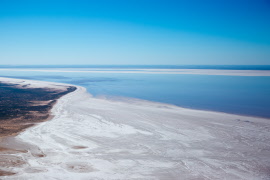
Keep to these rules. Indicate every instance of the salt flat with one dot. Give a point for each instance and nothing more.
(91, 138)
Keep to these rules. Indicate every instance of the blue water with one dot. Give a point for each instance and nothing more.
(232, 94)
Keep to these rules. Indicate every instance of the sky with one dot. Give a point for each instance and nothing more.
(135, 32)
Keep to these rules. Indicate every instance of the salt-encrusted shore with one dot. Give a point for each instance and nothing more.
(23, 103)
(91, 138)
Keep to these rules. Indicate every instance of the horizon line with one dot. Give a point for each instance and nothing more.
(134, 64)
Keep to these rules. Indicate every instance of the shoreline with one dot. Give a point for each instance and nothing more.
(129, 99)
(156, 71)
(8, 144)
(100, 138)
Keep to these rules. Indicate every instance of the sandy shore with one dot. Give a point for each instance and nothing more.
(91, 138)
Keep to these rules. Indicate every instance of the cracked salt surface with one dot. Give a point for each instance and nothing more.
(91, 138)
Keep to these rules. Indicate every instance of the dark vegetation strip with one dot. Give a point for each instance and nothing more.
(17, 110)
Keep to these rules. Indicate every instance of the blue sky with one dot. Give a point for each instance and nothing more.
(135, 32)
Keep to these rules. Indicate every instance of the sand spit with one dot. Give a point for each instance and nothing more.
(91, 138)
(155, 71)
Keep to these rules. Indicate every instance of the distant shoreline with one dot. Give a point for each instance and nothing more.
(222, 72)
(216, 67)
